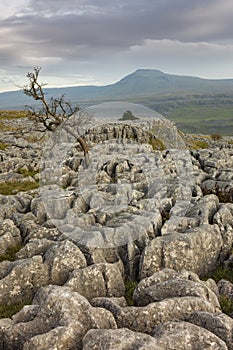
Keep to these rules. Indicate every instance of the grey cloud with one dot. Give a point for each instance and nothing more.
(121, 24)
(84, 33)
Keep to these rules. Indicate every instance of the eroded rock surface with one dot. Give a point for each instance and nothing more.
(160, 218)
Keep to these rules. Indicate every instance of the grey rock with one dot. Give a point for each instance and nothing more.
(178, 285)
(116, 339)
(159, 276)
(95, 255)
(34, 247)
(9, 235)
(225, 288)
(39, 210)
(204, 209)
(59, 338)
(23, 280)
(224, 216)
(58, 307)
(97, 280)
(176, 335)
(5, 267)
(223, 189)
(11, 206)
(61, 259)
(144, 319)
(26, 314)
(228, 263)
(130, 256)
(219, 324)
(211, 284)
(4, 324)
(197, 250)
(31, 230)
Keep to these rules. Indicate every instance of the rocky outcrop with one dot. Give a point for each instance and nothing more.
(151, 220)
(62, 316)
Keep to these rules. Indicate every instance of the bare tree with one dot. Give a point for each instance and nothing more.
(52, 112)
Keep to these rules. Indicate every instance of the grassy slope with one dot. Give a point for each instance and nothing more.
(206, 119)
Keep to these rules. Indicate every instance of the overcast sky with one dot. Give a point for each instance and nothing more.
(86, 42)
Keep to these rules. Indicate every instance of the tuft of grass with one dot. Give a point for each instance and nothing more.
(226, 305)
(156, 144)
(27, 173)
(221, 273)
(5, 114)
(7, 311)
(10, 188)
(3, 146)
(197, 144)
(226, 274)
(10, 253)
(129, 290)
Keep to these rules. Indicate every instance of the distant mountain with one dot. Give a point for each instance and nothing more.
(143, 83)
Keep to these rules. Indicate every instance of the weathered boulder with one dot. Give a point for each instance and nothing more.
(97, 280)
(23, 280)
(58, 307)
(145, 318)
(59, 338)
(39, 210)
(61, 259)
(177, 335)
(223, 189)
(32, 230)
(197, 250)
(115, 339)
(224, 215)
(34, 247)
(204, 209)
(11, 206)
(9, 235)
(219, 324)
(169, 284)
(26, 314)
(4, 324)
(225, 288)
